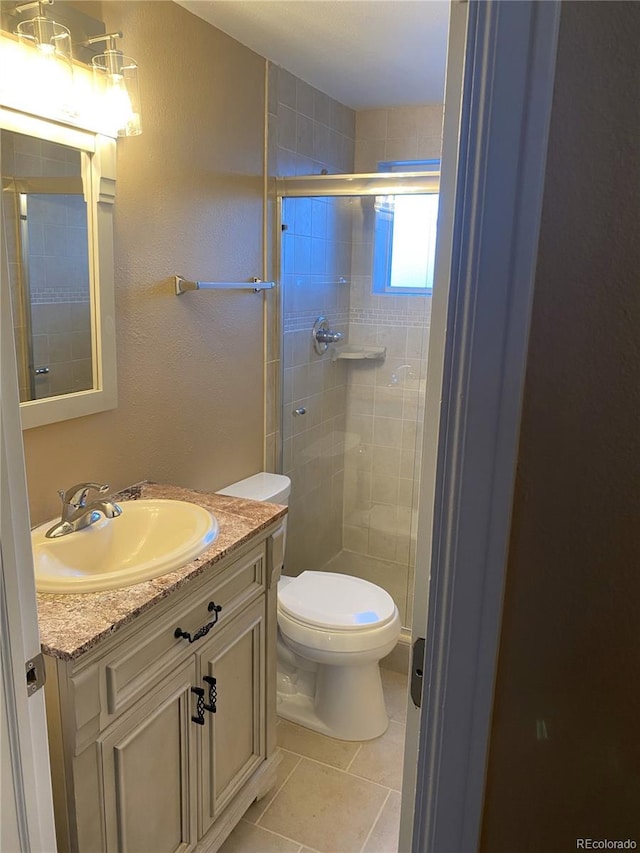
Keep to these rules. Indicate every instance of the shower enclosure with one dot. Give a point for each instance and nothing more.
(353, 402)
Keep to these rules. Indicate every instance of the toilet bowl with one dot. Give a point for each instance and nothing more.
(333, 630)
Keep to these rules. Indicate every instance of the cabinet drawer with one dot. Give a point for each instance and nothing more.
(155, 648)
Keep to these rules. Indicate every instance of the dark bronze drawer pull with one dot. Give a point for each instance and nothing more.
(199, 716)
(213, 693)
(201, 632)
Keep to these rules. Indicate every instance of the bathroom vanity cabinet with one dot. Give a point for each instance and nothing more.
(161, 742)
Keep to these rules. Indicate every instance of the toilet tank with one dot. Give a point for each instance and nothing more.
(274, 488)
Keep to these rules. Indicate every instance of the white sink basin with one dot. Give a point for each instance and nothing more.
(149, 539)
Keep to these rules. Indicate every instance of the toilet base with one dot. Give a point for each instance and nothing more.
(343, 702)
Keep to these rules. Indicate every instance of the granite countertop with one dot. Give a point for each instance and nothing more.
(72, 624)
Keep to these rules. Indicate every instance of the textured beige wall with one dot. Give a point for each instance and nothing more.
(189, 201)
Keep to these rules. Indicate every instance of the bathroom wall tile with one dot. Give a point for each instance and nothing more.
(286, 162)
(82, 374)
(287, 131)
(371, 124)
(59, 348)
(305, 135)
(382, 545)
(322, 107)
(387, 432)
(272, 89)
(41, 349)
(272, 391)
(287, 88)
(80, 344)
(402, 122)
(368, 154)
(429, 120)
(410, 402)
(315, 820)
(394, 338)
(401, 149)
(405, 492)
(403, 546)
(409, 435)
(384, 489)
(361, 400)
(61, 378)
(407, 463)
(321, 143)
(304, 98)
(417, 340)
(362, 427)
(429, 147)
(59, 317)
(270, 452)
(355, 538)
(387, 402)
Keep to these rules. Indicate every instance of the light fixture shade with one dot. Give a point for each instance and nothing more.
(51, 74)
(116, 78)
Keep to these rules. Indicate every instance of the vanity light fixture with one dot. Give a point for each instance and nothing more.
(53, 72)
(116, 79)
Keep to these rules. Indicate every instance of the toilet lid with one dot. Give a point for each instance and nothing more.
(335, 601)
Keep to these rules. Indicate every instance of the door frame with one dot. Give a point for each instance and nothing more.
(491, 194)
(27, 802)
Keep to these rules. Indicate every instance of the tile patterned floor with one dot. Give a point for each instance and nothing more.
(331, 796)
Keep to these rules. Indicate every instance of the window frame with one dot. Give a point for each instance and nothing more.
(382, 253)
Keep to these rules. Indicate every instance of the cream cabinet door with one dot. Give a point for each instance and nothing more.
(233, 738)
(149, 770)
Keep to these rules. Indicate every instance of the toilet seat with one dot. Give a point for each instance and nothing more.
(336, 613)
(335, 602)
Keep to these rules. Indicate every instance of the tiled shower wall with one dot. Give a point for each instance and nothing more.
(57, 269)
(308, 132)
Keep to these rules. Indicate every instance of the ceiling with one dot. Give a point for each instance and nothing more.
(364, 53)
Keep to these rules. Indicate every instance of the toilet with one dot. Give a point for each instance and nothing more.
(333, 630)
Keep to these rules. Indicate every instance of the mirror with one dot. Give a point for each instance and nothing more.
(57, 200)
(46, 233)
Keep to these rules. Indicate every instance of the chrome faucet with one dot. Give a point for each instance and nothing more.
(77, 513)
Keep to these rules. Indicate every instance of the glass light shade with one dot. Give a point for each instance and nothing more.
(116, 79)
(51, 72)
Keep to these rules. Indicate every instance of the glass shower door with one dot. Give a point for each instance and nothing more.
(352, 412)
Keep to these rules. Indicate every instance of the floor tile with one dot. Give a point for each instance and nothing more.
(384, 838)
(325, 809)
(380, 760)
(394, 685)
(337, 753)
(288, 760)
(248, 838)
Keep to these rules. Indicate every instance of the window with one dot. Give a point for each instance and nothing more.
(405, 236)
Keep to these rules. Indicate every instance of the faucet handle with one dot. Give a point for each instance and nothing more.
(77, 495)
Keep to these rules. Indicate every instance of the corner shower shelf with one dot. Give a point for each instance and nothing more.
(358, 353)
